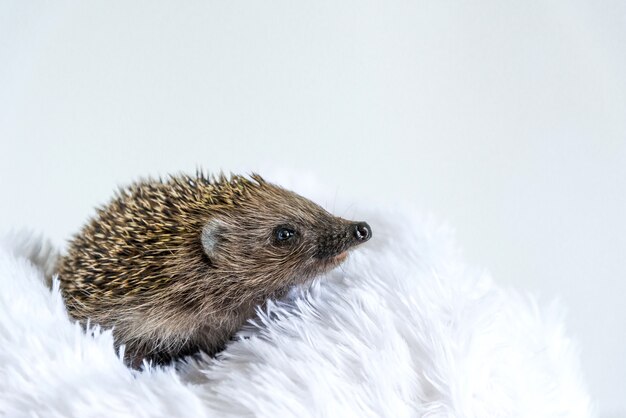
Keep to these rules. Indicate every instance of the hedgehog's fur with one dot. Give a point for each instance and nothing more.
(178, 265)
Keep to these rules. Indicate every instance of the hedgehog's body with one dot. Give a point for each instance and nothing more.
(178, 266)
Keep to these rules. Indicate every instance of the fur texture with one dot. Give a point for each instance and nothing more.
(403, 328)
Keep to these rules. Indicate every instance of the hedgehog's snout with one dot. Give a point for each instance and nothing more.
(361, 231)
(337, 241)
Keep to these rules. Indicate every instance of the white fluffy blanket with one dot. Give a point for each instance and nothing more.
(404, 328)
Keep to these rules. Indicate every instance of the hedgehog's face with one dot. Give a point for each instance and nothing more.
(277, 238)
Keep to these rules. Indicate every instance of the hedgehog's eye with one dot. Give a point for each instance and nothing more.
(284, 234)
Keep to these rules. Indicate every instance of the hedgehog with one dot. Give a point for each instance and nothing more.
(177, 266)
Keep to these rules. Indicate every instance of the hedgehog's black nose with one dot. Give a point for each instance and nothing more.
(362, 231)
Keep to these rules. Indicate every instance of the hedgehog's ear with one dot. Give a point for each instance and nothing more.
(210, 238)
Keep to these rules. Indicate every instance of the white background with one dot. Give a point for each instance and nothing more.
(508, 119)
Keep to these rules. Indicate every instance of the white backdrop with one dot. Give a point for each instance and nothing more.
(508, 119)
